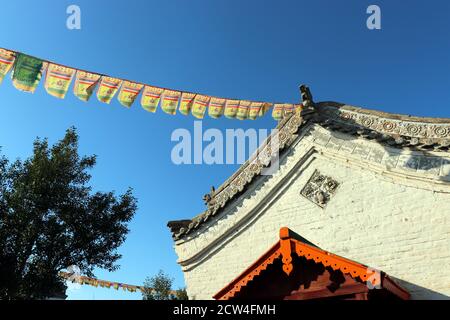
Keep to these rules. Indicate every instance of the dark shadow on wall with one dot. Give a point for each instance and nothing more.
(421, 293)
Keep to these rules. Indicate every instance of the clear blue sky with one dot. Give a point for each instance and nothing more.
(260, 50)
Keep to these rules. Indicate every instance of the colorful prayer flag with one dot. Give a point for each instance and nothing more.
(265, 107)
(231, 108)
(150, 98)
(243, 109)
(85, 83)
(187, 99)
(216, 107)
(129, 92)
(6, 62)
(169, 101)
(108, 88)
(254, 110)
(199, 106)
(288, 108)
(58, 79)
(277, 112)
(27, 72)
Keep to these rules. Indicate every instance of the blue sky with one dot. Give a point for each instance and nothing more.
(257, 50)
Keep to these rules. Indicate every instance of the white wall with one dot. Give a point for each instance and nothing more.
(391, 224)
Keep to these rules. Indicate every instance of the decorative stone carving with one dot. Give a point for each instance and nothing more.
(381, 123)
(319, 189)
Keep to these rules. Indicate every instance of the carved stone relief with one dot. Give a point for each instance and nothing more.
(319, 189)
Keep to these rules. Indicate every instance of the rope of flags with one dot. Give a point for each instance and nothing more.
(27, 72)
(83, 280)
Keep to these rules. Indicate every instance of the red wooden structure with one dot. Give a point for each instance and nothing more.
(294, 269)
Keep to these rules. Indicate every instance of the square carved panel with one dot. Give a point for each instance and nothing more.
(319, 189)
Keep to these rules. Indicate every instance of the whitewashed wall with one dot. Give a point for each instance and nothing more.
(384, 214)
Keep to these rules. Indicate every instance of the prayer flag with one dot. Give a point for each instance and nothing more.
(199, 106)
(6, 62)
(231, 108)
(216, 107)
(150, 98)
(85, 83)
(265, 107)
(288, 108)
(58, 79)
(254, 110)
(169, 101)
(129, 92)
(243, 109)
(187, 99)
(27, 72)
(108, 88)
(277, 112)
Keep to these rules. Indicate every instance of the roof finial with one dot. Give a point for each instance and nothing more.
(306, 96)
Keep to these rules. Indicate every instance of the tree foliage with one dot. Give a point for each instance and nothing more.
(50, 219)
(159, 287)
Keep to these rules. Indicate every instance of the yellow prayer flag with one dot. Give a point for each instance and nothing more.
(128, 93)
(216, 107)
(277, 112)
(169, 101)
(58, 79)
(6, 62)
(254, 110)
(288, 108)
(199, 106)
(265, 107)
(231, 108)
(150, 98)
(108, 88)
(187, 99)
(85, 83)
(243, 110)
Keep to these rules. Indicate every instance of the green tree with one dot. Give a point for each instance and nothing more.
(50, 219)
(159, 287)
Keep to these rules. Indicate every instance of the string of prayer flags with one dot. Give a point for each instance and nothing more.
(169, 101)
(243, 109)
(27, 72)
(187, 99)
(108, 88)
(6, 62)
(150, 98)
(85, 83)
(231, 108)
(58, 79)
(128, 93)
(199, 107)
(216, 107)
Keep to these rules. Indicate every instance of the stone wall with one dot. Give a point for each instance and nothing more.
(386, 216)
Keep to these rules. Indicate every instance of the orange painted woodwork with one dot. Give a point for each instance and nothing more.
(356, 280)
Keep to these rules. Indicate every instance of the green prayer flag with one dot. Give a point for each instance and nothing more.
(27, 72)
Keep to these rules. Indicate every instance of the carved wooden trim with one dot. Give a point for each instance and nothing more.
(283, 249)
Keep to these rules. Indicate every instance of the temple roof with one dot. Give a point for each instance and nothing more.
(391, 130)
(290, 243)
